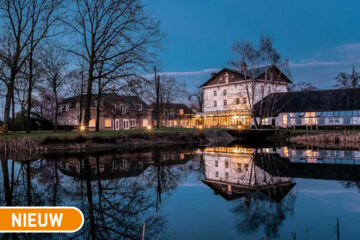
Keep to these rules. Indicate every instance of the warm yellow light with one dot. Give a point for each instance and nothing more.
(200, 127)
(149, 127)
(239, 127)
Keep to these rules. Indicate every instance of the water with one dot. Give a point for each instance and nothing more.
(232, 192)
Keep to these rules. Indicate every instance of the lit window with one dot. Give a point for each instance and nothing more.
(265, 121)
(107, 122)
(237, 100)
(225, 102)
(215, 103)
(92, 123)
(224, 92)
(181, 111)
(285, 119)
(215, 93)
(145, 123)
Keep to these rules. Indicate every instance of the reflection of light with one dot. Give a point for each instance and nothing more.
(286, 151)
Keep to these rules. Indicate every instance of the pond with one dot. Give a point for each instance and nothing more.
(228, 192)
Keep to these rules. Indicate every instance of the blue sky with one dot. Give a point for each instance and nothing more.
(320, 38)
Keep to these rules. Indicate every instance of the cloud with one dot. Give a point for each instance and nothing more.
(344, 54)
(348, 47)
(318, 63)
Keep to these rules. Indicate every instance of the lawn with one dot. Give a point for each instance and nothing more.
(42, 134)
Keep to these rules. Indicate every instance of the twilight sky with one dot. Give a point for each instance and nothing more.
(320, 38)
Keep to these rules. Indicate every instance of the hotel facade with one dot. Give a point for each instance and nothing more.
(230, 95)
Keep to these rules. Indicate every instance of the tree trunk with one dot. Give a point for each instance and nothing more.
(88, 96)
(98, 107)
(56, 110)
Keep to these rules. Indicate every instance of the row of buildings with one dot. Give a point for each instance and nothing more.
(231, 98)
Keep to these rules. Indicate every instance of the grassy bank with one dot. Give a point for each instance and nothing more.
(44, 134)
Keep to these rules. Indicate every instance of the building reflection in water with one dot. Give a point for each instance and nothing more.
(257, 194)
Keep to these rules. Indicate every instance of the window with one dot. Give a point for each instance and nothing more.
(92, 123)
(262, 89)
(145, 122)
(321, 121)
(107, 123)
(216, 174)
(226, 174)
(226, 164)
(225, 103)
(216, 163)
(269, 89)
(246, 167)
(181, 111)
(77, 105)
(215, 104)
(132, 122)
(347, 120)
(67, 107)
(265, 121)
(215, 93)
(139, 107)
(70, 122)
(224, 92)
(123, 108)
(244, 100)
(285, 119)
(239, 166)
(237, 100)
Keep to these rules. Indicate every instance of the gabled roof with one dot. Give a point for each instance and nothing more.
(108, 98)
(177, 106)
(256, 73)
(309, 101)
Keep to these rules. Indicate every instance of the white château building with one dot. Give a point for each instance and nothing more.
(230, 94)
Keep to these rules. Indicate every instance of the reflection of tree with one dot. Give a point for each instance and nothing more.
(113, 209)
(166, 174)
(255, 211)
(349, 184)
(266, 207)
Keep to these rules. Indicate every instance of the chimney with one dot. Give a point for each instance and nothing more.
(213, 74)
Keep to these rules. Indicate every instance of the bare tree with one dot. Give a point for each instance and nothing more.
(54, 63)
(249, 61)
(302, 86)
(345, 80)
(116, 34)
(27, 24)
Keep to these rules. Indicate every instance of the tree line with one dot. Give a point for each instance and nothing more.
(50, 48)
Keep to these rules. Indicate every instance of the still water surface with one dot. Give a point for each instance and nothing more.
(232, 192)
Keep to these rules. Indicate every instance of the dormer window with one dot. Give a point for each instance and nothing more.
(139, 107)
(123, 109)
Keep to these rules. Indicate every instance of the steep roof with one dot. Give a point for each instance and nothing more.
(177, 106)
(108, 98)
(309, 101)
(256, 73)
